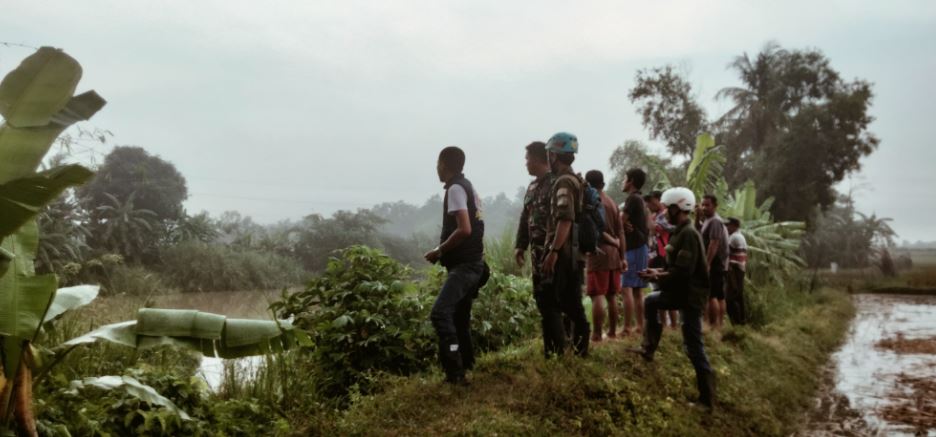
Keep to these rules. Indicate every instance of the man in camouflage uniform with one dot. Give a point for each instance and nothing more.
(531, 231)
(563, 267)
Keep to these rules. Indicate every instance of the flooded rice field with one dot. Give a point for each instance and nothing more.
(883, 379)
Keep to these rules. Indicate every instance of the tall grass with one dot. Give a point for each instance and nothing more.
(195, 266)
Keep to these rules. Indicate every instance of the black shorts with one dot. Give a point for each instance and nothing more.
(717, 281)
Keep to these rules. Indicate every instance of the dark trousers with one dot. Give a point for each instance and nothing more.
(557, 296)
(691, 330)
(734, 294)
(451, 317)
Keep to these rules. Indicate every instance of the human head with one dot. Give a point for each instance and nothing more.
(634, 180)
(537, 163)
(733, 225)
(679, 203)
(596, 179)
(709, 205)
(561, 149)
(451, 163)
(653, 201)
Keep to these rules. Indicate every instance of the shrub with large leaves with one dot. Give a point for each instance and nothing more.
(363, 316)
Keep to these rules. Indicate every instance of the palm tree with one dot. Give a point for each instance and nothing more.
(124, 228)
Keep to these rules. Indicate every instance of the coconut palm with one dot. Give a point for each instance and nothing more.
(123, 228)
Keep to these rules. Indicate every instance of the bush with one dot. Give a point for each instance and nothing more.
(136, 281)
(363, 317)
(366, 316)
(196, 266)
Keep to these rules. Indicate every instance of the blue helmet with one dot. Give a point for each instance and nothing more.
(562, 142)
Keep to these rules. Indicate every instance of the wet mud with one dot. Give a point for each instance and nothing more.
(882, 382)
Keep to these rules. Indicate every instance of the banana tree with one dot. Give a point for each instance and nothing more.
(37, 104)
(773, 246)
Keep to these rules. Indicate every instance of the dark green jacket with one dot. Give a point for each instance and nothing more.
(688, 281)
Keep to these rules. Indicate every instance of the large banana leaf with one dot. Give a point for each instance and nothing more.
(210, 334)
(40, 87)
(37, 105)
(22, 199)
(705, 169)
(69, 298)
(24, 297)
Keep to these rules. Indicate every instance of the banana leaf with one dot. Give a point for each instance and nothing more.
(22, 199)
(70, 298)
(212, 335)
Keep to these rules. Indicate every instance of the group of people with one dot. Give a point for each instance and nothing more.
(695, 264)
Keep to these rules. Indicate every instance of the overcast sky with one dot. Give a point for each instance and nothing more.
(281, 109)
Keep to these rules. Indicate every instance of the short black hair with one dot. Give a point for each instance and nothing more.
(595, 178)
(711, 197)
(656, 194)
(566, 158)
(637, 177)
(537, 150)
(453, 158)
(734, 221)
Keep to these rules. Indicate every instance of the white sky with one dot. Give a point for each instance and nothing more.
(279, 109)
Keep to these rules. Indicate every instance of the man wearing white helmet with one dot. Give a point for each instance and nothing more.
(684, 286)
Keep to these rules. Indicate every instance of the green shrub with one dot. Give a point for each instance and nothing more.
(136, 281)
(503, 313)
(363, 317)
(196, 266)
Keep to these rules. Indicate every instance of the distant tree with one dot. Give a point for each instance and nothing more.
(668, 109)
(661, 171)
(199, 227)
(159, 187)
(319, 237)
(121, 227)
(796, 127)
(843, 235)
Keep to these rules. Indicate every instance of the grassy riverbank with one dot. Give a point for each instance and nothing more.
(767, 379)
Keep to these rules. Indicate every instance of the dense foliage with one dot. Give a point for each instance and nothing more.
(196, 266)
(366, 313)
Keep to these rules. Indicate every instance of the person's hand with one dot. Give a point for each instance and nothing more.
(623, 265)
(628, 227)
(433, 255)
(519, 256)
(649, 274)
(549, 264)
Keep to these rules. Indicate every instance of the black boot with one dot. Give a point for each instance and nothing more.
(451, 361)
(706, 382)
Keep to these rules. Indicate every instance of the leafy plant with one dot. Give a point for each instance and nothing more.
(363, 317)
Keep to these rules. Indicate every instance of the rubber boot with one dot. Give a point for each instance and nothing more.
(451, 361)
(706, 382)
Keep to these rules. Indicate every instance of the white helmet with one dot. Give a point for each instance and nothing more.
(682, 197)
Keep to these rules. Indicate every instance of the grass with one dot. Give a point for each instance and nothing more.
(767, 380)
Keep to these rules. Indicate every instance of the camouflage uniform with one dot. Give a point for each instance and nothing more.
(531, 232)
(561, 294)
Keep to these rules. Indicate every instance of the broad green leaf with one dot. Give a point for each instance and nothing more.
(70, 298)
(242, 332)
(38, 88)
(130, 386)
(22, 199)
(24, 297)
(123, 333)
(179, 323)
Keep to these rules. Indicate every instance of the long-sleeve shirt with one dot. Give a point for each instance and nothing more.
(688, 276)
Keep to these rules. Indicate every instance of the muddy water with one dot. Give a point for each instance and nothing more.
(864, 379)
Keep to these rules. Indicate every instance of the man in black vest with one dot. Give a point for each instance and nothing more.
(461, 252)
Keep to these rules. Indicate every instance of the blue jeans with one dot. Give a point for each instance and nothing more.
(691, 329)
(451, 317)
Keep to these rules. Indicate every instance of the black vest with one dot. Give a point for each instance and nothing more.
(470, 249)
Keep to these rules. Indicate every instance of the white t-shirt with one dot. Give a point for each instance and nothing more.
(458, 199)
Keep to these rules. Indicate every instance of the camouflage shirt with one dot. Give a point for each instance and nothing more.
(564, 205)
(531, 232)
